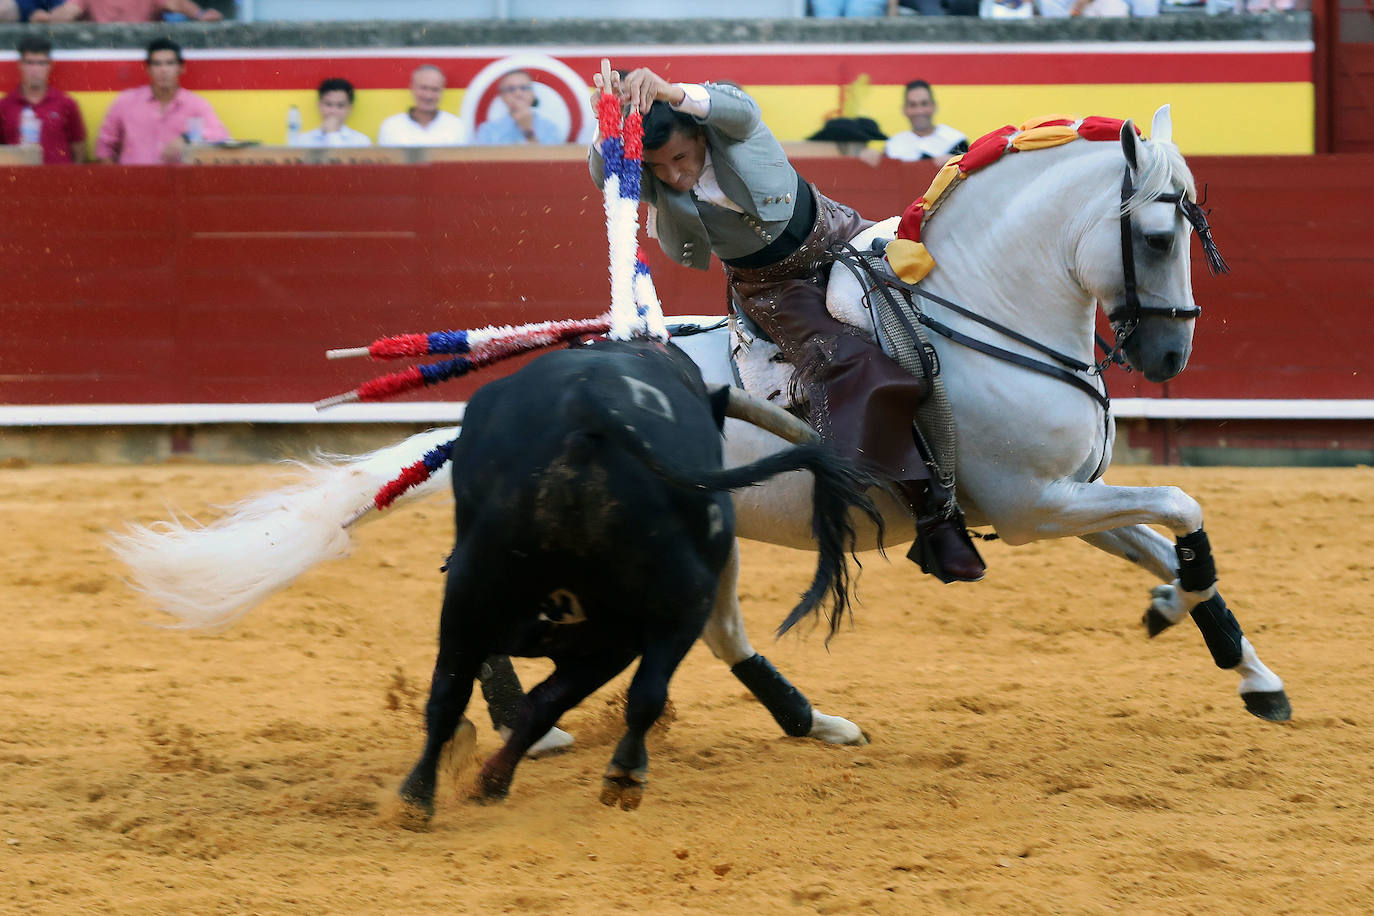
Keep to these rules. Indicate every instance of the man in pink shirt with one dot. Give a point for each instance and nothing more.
(153, 123)
(125, 11)
(61, 132)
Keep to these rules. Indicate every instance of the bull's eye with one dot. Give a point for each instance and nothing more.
(1159, 241)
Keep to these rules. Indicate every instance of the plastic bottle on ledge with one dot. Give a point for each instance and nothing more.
(293, 125)
(29, 127)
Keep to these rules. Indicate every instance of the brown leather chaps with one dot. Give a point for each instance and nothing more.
(860, 399)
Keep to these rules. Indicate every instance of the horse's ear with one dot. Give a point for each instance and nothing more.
(1162, 127)
(1130, 145)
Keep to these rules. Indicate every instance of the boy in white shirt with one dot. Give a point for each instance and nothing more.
(336, 104)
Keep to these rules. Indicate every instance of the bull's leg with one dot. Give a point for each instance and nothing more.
(726, 637)
(503, 693)
(449, 692)
(571, 682)
(628, 772)
(1065, 508)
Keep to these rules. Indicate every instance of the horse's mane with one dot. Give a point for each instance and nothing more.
(1162, 171)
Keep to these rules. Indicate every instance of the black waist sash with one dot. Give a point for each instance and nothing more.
(791, 238)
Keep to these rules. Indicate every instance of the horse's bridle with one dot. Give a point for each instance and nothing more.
(1125, 318)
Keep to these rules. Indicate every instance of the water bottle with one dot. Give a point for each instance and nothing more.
(195, 130)
(29, 127)
(293, 125)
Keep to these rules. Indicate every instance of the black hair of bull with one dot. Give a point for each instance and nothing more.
(593, 523)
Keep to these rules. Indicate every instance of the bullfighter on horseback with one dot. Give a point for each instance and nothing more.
(718, 182)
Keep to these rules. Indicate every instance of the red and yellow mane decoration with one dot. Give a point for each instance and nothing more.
(907, 254)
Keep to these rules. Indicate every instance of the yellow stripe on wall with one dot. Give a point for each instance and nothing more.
(1209, 118)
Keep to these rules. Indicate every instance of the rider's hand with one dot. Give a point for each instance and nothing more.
(642, 87)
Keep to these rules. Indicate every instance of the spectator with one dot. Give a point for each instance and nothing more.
(153, 123)
(926, 139)
(521, 124)
(121, 10)
(336, 104)
(61, 132)
(424, 124)
(32, 11)
(849, 9)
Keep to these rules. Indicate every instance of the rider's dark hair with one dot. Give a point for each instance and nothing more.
(163, 44)
(336, 84)
(663, 121)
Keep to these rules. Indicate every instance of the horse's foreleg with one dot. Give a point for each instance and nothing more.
(1075, 508)
(725, 636)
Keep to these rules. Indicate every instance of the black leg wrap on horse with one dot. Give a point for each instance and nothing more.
(1197, 572)
(501, 689)
(791, 710)
(1220, 630)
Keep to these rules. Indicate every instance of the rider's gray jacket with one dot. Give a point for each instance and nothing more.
(750, 168)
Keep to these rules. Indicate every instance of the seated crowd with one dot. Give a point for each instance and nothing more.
(155, 123)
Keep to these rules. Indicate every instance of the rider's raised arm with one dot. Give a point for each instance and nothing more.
(730, 109)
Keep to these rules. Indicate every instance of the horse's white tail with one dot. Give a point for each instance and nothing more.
(212, 575)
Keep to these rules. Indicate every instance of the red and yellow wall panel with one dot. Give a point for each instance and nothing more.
(1244, 98)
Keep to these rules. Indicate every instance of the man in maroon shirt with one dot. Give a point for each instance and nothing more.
(61, 131)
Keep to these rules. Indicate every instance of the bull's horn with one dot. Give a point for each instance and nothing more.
(770, 417)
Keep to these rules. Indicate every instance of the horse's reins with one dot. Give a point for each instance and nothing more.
(1124, 319)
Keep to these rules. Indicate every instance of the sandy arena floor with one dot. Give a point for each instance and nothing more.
(1032, 751)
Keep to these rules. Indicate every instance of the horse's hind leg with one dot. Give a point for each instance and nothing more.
(1189, 561)
(726, 637)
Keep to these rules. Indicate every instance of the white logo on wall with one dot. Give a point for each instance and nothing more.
(563, 95)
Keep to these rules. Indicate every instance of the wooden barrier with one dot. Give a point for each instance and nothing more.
(225, 285)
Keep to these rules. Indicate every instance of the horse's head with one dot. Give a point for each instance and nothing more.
(1139, 264)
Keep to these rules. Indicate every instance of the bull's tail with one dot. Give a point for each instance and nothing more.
(839, 488)
(211, 575)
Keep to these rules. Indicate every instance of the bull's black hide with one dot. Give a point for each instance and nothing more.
(593, 522)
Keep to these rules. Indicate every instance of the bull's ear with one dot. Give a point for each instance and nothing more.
(719, 395)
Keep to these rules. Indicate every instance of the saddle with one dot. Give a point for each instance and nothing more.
(885, 314)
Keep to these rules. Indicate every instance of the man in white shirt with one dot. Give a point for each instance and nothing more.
(926, 139)
(424, 124)
(336, 104)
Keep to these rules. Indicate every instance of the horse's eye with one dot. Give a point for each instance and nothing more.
(1159, 241)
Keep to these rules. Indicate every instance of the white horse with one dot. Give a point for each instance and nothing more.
(1033, 243)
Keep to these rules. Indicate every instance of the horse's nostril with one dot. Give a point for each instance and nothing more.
(1173, 362)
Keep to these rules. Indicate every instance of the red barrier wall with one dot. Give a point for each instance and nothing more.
(225, 284)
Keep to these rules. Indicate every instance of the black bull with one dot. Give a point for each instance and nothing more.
(593, 522)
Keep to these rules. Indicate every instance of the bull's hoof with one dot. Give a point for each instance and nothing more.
(1155, 622)
(418, 796)
(624, 789)
(1271, 705)
(493, 785)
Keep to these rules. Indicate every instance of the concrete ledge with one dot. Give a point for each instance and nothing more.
(611, 32)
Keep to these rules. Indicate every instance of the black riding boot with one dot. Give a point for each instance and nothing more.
(943, 547)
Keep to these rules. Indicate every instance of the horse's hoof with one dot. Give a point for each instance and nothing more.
(555, 741)
(1155, 622)
(1271, 705)
(835, 730)
(622, 790)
